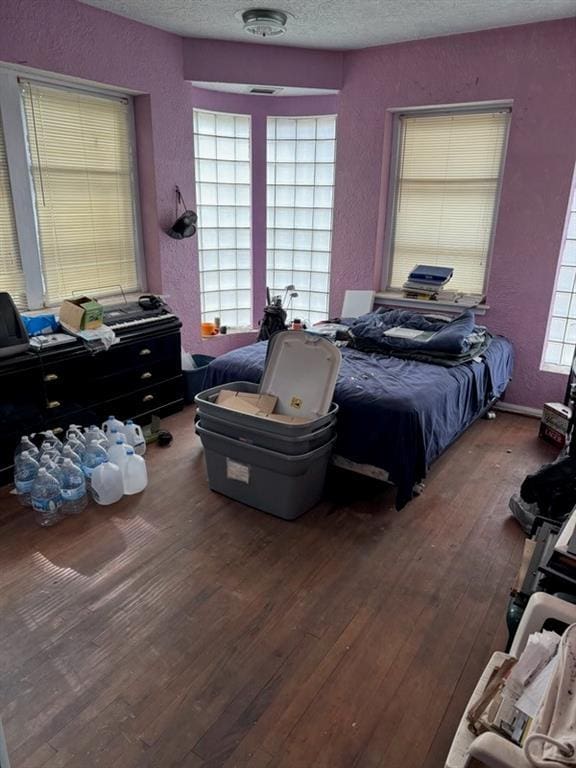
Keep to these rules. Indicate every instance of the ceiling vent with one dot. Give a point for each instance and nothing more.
(262, 22)
(263, 90)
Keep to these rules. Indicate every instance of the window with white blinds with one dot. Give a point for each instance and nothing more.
(223, 192)
(11, 273)
(80, 151)
(561, 337)
(448, 172)
(301, 153)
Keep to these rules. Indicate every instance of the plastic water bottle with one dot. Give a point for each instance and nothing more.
(48, 463)
(94, 433)
(54, 441)
(26, 444)
(117, 453)
(49, 449)
(26, 469)
(107, 483)
(68, 453)
(134, 473)
(46, 498)
(74, 496)
(75, 445)
(95, 455)
(112, 435)
(112, 423)
(135, 437)
(75, 431)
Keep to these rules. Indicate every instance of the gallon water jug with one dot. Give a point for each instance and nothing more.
(107, 484)
(112, 435)
(135, 437)
(49, 449)
(46, 498)
(26, 444)
(95, 455)
(50, 465)
(112, 423)
(51, 438)
(25, 471)
(68, 453)
(75, 431)
(134, 473)
(117, 453)
(94, 433)
(75, 445)
(74, 496)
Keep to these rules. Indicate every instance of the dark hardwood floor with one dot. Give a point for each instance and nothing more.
(178, 628)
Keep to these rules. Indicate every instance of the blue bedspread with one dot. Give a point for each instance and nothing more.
(396, 414)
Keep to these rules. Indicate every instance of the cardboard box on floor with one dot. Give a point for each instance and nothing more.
(82, 314)
(256, 404)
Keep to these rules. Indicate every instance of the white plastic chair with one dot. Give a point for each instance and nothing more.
(490, 749)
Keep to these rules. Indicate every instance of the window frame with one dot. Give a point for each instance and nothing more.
(395, 154)
(334, 116)
(196, 158)
(22, 183)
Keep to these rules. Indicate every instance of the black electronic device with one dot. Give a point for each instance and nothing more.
(148, 309)
(13, 335)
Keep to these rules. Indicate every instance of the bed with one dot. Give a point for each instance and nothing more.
(396, 415)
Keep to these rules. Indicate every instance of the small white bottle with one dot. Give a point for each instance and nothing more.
(117, 452)
(112, 423)
(134, 473)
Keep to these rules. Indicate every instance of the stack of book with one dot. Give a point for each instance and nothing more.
(426, 282)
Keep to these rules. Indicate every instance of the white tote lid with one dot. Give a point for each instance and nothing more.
(301, 371)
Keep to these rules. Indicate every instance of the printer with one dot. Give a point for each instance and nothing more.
(13, 335)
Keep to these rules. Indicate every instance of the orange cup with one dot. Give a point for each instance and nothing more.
(208, 329)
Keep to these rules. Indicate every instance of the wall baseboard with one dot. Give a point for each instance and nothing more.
(521, 410)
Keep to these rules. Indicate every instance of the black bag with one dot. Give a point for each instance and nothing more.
(274, 321)
(552, 488)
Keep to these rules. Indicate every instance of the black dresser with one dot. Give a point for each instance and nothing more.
(135, 379)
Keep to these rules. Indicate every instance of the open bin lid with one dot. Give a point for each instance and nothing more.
(301, 371)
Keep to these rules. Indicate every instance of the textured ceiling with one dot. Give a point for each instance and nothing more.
(340, 24)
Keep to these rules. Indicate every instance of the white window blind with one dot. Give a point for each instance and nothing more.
(561, 338)
(300, 191)
(223, 193)
(80, 150)
(447, 182)
(11, 274)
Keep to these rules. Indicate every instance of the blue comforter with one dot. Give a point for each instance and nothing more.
(453, 338)
(398, 415)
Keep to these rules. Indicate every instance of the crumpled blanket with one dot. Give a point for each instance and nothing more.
(452, 342)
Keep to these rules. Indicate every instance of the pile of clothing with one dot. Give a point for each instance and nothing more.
(428, 339)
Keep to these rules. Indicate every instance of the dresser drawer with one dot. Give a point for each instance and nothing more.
(143, 352)
(154, 397)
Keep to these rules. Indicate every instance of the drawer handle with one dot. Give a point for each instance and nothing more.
(147, 398)
(58, 430)
(144, 351)
(51, 377)
(53, 404)
(146, 375)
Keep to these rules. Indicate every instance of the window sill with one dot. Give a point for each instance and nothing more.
(395, 299)
(231, 332)
(553, 368)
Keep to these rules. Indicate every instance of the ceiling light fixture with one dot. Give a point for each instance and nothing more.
(262, 22)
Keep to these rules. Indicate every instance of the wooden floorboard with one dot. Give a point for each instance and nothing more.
(178, 629)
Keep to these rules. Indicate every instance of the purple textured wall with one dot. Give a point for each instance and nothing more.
(535, 66)
(69, 38)
(230, 62)
(259, 107)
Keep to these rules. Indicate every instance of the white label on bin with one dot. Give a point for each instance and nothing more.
(237, 471)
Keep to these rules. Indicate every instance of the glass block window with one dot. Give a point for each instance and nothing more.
(223, 194)
(561, 336)
(300, 193)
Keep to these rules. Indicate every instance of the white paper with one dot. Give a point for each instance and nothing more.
(237, 471)
(529, 702)
(398, 332)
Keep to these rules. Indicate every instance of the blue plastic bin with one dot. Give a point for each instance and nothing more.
(194, 380)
